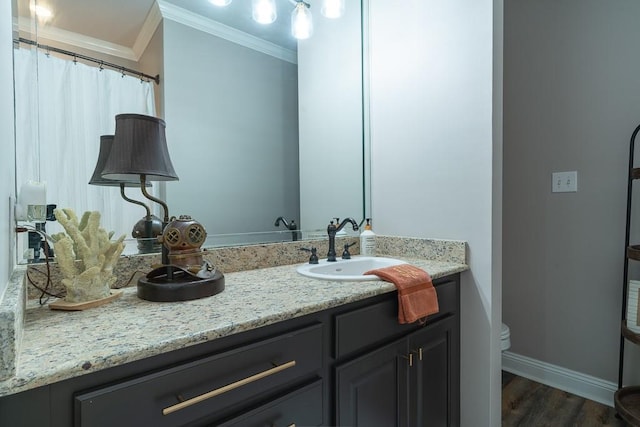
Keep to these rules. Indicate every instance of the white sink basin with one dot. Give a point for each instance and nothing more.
(347, 269)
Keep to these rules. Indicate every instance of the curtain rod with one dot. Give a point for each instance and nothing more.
(102, 63)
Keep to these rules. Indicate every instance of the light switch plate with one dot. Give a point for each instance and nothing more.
(564, 182)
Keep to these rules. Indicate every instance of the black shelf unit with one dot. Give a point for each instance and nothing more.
(627, 399)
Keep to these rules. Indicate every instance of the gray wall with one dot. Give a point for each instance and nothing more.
(433, 168)
(7, 165)
(232, 130)
(570, 103)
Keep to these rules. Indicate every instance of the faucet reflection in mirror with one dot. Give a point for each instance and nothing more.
(139, 151)
(290, 225)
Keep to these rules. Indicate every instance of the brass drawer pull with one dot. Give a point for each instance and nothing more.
(228, 387)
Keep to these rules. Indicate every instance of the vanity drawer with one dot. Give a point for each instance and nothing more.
(207, 386)
(378, 322)
(302, 407)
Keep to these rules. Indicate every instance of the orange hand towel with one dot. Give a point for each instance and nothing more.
(417, 298)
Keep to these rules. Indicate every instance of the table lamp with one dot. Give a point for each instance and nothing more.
(139, 152)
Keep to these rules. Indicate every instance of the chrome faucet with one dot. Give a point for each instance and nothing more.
(332, 229)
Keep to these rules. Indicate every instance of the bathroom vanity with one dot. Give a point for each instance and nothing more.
(274, 349)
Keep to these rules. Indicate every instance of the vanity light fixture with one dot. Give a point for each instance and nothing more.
(41, 11)
(301, 21)
(264, 11)
(332, 9)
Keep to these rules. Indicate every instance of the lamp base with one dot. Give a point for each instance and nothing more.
(181, 287)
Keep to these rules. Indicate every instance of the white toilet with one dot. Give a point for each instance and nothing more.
(505, 338)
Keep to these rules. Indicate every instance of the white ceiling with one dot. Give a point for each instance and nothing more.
(119, 21)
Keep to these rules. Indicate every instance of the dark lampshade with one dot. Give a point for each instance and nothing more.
(106, 141)
(139, 148)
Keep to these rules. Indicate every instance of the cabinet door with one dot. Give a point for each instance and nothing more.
(372, 390)
(434, 378)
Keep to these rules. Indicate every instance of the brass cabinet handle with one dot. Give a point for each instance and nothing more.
(419, 352)
(228, 387)
(410, 358)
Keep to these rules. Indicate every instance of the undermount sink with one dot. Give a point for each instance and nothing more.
(347, 269)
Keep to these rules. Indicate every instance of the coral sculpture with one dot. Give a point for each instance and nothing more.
(91, 277)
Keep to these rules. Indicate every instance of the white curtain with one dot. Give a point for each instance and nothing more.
(62, 108)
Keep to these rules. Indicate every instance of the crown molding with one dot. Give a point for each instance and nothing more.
(159, 11)
(77, 40)
(147, 31)
(198, 22)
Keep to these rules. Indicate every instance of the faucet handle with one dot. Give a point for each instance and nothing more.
(313, 258)
(345, 253)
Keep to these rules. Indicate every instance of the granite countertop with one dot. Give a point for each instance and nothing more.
(58, 345)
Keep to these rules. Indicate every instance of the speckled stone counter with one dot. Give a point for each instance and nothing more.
(11, 323)
(59, 345)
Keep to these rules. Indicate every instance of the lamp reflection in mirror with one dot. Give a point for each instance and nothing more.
(148, 228)
(301, 21)
(220, 3)
(264, 11)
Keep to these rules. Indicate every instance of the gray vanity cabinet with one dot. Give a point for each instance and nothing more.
(434, 378)
(413, 381)
(372, 390)
(348, 365)
(302, 407)
(193, 391)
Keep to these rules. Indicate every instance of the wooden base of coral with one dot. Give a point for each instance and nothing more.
(76, 306)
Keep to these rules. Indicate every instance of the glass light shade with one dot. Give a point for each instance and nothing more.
(301, 22)
(332, 8)
(139, 148)
(42, 12)
(106, 141)
(264, 11)
(221, 3)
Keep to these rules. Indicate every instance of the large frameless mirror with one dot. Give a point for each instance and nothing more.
(260, 126)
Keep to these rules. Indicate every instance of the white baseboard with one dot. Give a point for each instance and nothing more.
(582, 385)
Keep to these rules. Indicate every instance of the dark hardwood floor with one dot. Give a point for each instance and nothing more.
(526, 403)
